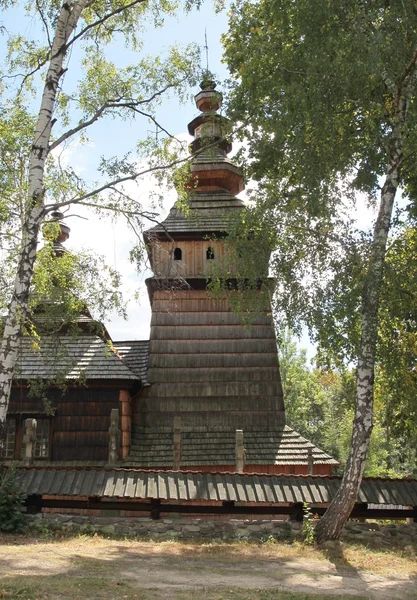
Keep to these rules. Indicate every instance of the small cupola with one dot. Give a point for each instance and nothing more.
(211, 170)
(63, 233)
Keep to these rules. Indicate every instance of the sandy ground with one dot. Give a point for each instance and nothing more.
(167, 569)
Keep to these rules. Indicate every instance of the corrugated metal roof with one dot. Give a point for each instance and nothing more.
(135, 354)
(84, 356)
(154, 448)
(188, 486)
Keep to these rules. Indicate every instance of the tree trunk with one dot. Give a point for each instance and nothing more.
(18, 309)
(331, 524)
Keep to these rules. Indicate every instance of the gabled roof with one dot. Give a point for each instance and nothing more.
(134, 354)
(73, 357)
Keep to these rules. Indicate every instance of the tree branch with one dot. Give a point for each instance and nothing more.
(409, 69)
(109, 105)
(104, 19)
(45, 24)
(151, 216)
(132, 177)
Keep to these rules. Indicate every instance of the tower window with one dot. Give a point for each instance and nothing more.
(177, 254)
(210, 253)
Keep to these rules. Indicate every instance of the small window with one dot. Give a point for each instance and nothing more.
(210, 253)
(10, 438)
(177, 254)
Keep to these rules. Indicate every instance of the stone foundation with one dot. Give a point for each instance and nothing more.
(217, 530)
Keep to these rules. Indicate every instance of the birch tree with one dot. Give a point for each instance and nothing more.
(329, 90)
(37, 70)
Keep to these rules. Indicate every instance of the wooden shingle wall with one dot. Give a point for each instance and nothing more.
(208, 367)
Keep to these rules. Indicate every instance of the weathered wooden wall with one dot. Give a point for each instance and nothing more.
(80, 422)
(210, 368)
(194, 261)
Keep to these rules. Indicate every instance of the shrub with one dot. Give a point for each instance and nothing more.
(308, 528)
(12, 518)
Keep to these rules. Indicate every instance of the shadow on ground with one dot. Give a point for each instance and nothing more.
(92, 568)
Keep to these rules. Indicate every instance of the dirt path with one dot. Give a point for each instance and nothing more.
(167, 570)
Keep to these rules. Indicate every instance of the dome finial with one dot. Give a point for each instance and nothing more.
(208, 82)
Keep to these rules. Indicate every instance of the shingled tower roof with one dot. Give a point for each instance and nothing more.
(215, 179)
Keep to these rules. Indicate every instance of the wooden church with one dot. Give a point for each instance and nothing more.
(204, 393)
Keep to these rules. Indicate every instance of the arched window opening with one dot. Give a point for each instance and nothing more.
(177, 254)
(210, 253)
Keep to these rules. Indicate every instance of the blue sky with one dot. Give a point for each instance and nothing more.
(111, 137)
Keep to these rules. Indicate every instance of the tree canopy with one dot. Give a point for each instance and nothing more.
(327, 91)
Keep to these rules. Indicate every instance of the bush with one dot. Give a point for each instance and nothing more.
(308, 528)
(12, 518)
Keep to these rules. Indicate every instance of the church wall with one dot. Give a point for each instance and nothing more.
(208, 367)
(194, 262)
(79, 418)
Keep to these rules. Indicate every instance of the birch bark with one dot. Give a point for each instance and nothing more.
(331, 524)
(18, 309)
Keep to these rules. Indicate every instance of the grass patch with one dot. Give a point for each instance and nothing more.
(349, 555)
(96, 568)
(71, 588)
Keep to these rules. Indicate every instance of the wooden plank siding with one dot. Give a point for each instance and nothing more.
(80, 418)
(214, 371)
(81, 424)
(194, 261)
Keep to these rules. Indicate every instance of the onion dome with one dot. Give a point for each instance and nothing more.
(64, 231)
(211, 170)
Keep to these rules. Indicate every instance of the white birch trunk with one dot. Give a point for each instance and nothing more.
(18, 309)
(331, 524)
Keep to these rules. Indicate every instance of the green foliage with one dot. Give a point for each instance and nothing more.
(320, 405)
(315, 84)
(70, 282)
(105, 90)
(319, 80)
(11, 502)
(308, 529)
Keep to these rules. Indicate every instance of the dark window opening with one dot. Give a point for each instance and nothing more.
(177, 254)
(41, 449)
(15, 432)
(10, 438)
(210, 253)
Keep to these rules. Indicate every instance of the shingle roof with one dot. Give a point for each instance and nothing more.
(191, 486)
(134, 354)
(85, 356)
(208, 213)
(154, 448)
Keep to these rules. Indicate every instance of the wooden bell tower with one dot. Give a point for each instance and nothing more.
(208, 371)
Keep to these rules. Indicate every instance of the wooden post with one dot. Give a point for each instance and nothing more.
(126, 422)
(177, 444)
(29, 439)
(240, 451)
(114, 437)
(310, 461)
